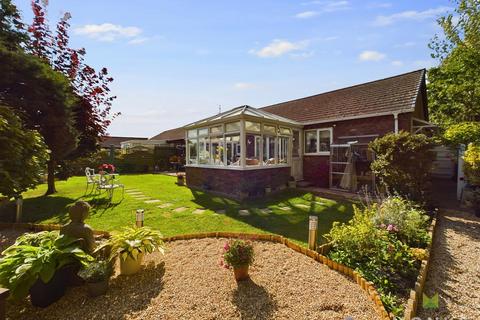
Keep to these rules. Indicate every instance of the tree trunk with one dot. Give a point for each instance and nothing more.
(51, 177)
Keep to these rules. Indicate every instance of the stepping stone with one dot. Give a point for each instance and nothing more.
(300, 205)
(165, 205)
(285, 208)
(243, 213)
(142, 198)
(180, 209)
(320, 203)
(131, 190)
(134, 192)
(266, 210)
(152, 201)
(222, 211)
(199, 211)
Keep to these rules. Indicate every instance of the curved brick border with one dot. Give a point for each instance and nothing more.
(349, 272)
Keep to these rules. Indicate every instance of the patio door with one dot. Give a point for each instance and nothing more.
(297, 161)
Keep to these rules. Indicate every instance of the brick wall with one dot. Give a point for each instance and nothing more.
(316, 168)
(232, 182)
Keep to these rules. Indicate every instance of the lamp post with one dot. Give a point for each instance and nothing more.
(312, 232)
(19, 202)
(139, 217)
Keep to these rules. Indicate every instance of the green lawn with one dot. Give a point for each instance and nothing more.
(292, 223)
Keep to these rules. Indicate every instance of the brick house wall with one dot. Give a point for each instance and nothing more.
(316, 169)
(231, 183)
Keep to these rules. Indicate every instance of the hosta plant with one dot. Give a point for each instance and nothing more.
(37, 256)
(132, 242)
(96, 271)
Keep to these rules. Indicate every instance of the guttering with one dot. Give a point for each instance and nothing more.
(363, 116)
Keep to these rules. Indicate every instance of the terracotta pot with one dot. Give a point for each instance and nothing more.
(241, 273)
(131, 266)
(96, 289)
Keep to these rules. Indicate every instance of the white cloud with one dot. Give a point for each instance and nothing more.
(108, 31)
(138, 40)
(405, 44)
(371, 55)
(306, 14)
(379, 5)
(243, 85)
(278, 48)
(409, 15)
(397, 63)
(330, 5)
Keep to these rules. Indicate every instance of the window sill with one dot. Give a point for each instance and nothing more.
(238, 167)
(323, 153)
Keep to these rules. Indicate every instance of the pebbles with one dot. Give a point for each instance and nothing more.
(188, 283)
(454, 267)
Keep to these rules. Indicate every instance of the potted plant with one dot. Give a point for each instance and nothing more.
(472, 172)
(97, 275)
(131, 245)
(238, 254)
(181, 178)
(106, 168)
(292, 183)
(33, 264)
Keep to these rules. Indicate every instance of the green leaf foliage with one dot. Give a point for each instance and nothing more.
(96, 271)
(472, 164)
(238, 253)
(133, 241)
(23, 155)
(37, 256)
(403, 163)
(462, 133)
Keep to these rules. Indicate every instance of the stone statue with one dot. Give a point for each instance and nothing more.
(77, 228)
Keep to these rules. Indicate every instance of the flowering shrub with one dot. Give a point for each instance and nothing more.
(109, 168)
(376, 243)
(404, 218)
(237, 253)
(472, 164)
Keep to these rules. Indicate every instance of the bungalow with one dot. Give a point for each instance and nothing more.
(322, 139)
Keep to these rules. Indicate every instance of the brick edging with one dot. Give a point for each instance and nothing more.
(349, 272)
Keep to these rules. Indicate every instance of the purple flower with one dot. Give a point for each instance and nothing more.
(226, 247)
(392, 228)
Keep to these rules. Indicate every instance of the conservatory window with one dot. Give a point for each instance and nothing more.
(232, 126)
(285, 131)
(192, 133)
(217, 150)
(192, 148)
(269, 129)
(253, 143)
(283, 150)
(203, 151)
(216, 129)
(269, 150)
(232, 149)
(252, 126)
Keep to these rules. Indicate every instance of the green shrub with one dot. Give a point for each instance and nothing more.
(472, 164)
(462, 133)
(96, 271)
(237, 253)
(37, 256)
(377, 254)
(405, 218)
(403, 163)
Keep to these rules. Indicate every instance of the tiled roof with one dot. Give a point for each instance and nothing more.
(172, 134)
(393, 94)
(107, 141)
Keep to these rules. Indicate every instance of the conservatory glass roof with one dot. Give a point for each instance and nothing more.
(238, 112)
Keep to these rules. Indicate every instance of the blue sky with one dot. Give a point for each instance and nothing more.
(177, 61)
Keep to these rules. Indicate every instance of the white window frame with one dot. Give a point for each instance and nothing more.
(318, 153)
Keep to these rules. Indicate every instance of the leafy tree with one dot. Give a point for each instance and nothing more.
(454, 86)
(12, 34)
(462, 133)
(23, 155)
(44, 100)
(403, 162)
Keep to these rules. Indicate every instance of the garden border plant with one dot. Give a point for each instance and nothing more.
(365, 285)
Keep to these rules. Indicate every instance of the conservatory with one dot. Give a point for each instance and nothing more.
(239, 152)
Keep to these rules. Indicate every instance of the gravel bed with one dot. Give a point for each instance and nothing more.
(455, 267)
(8, 236)
(188, 283)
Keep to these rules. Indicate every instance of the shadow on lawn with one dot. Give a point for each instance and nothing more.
(291, 223)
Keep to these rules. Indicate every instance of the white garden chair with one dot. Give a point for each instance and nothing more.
(91, 179)
(108, 183)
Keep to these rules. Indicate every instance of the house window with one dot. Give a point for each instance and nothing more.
(217, 150)
(192, 148)
(318, 141)
(269, 150)
(203, 150)
(232, 148)
(283, 150)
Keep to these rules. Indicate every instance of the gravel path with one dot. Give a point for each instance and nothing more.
(188, 283)
(7, 237)
(455, 267)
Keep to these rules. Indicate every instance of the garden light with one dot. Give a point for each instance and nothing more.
(139, 217)
(312, 232)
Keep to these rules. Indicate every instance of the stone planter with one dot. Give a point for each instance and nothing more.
(181, 180)
(241, 273)
(292, 184)
(96, 289)
(131, 266)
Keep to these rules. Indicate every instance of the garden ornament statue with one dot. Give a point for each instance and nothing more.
(77, 228)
